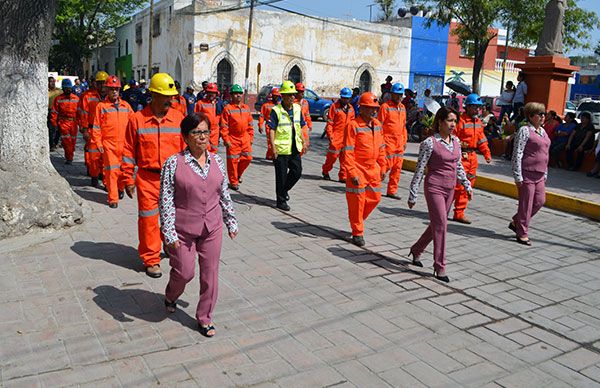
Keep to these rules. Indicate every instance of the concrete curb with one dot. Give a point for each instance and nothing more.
(553, 200)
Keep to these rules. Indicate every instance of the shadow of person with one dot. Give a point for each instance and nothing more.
(249, 199)
(262, 161)
(125, 304)
(334, 189)
(91, 194)
(404, 212)
(311, 230)
(113, 253)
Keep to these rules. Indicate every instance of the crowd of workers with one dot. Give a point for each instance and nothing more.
(164, 145)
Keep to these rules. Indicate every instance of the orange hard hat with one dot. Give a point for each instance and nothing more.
(368, 99)
(113, 82)
(212, 87)
(300, 87)
(275, 92)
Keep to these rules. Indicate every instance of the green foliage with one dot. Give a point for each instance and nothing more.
(386, 7)
(82, 25)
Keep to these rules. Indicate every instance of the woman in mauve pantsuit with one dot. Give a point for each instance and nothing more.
(530, 169)
(194, 204)
(440, 153)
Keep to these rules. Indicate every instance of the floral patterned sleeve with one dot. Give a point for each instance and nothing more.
(461, 175)
(167, 200)
(226, 203)
(425, 151)
(517, 156)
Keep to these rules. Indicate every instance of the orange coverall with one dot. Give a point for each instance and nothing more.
(85, 115)
(393, 119)
(149, 141)
(364, 157)
(237, 130)
(108, 133)
(209, 108)
(306, 129)
(64, 115)
(470, 133)
(265, 114)
(337, 121)
(180, 104)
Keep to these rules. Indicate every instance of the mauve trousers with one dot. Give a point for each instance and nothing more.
(183, 262)
(439, 201)
(532, 196)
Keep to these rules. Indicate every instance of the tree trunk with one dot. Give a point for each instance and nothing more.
(479, 51)
(32, 194)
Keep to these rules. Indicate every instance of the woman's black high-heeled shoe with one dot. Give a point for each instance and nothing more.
(444, 278)
(415, 260)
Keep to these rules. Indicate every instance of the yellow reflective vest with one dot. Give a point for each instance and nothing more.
(283, 132)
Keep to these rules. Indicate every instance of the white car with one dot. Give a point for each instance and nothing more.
(592, 106)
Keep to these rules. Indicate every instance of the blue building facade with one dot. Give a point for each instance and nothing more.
(586, 85)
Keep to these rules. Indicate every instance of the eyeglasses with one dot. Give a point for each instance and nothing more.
(541, 114)
(200, 133)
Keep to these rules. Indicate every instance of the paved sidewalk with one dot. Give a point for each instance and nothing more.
(301, 307)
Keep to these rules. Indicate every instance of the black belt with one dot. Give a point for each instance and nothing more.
(154, 170)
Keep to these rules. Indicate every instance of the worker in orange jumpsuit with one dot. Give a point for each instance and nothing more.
(470, 133)
(179, 101)
(153, 134)
(300, 100)
(85, 115)
(392, 116)
(340, 115)
(365, 163)
(238, 135)
(64, 116)
(265, 114)
(108, 136)
(208, 106)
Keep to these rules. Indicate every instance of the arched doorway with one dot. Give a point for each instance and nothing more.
(224, 74)
(295, 74)
(178, 71)
(365, 81)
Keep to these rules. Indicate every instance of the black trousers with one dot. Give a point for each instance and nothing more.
(288, 170)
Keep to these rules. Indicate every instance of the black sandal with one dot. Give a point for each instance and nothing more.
(171, 306)
(205, 329)
(524, 242)
(512, 227)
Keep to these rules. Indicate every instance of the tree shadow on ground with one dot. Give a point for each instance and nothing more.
(113, 253)
(123, 304)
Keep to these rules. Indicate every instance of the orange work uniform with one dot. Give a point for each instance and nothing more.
(180, 104)
(108, 133)
(393, 119)
(470, 133)
(85, 115)
(209, 108)
(308, 127)
(265, 114)
(337, 120)
(149, 141)
(237, 131)
(64, 115)
(364, 157)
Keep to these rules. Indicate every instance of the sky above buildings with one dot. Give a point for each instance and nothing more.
(359, 9)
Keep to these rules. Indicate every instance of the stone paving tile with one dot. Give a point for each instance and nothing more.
(300, 306)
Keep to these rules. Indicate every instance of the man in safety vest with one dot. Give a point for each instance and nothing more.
(265, 114)
(285, 131)
(53, 132)
(300, 100)
(86, 111)
(470, 133)
(208, 106)
(238, 135)
(153, 134)
(340, 115)
(392, 116)
(365, 163)
(64, 116)
(108, 136)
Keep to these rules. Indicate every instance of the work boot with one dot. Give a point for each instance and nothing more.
(113, 205)
(462, 220)
(95, 182)
(342, 181)
(154, 271)
(233, 187)
(121, 194)
(359, 241)
(326, 176)
(283, 206)
(393, 196)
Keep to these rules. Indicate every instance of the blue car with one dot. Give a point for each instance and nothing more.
(318, 107)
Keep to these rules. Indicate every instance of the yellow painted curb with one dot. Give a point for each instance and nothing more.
(553, 200)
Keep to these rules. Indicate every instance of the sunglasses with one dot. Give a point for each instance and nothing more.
(200, 133)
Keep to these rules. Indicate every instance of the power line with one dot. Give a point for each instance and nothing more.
(230, 9)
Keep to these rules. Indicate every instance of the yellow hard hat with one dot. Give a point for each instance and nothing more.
(162, 83)
(101, 76)
(288, 87)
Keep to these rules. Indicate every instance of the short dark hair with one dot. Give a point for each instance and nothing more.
(441, 115)
(586, 114)
(192, 121)
(571, 115)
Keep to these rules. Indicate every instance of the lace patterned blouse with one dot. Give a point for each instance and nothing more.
(519, 148)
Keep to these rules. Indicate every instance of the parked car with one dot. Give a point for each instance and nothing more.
(318, 106)
(592, 106)
(570, 106)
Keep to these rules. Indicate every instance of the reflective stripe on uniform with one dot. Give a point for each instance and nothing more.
(471, 176)
(154, 130)
(472, 125)
(354, 190)
(148, 213)
(348, 148)
(484, 140)
(373, 189)
(391, 156)
(334, 151)
(233, 156)
(92, 151)
(114, 167)
(246, 154)
(129, 160)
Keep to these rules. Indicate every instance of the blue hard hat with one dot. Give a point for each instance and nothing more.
(66, 83)
(473, 99)
(345, 93)
(397, 88)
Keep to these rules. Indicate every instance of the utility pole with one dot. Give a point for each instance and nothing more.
(371, 11)
(248, 46)
(150, 27)
(504, 59)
